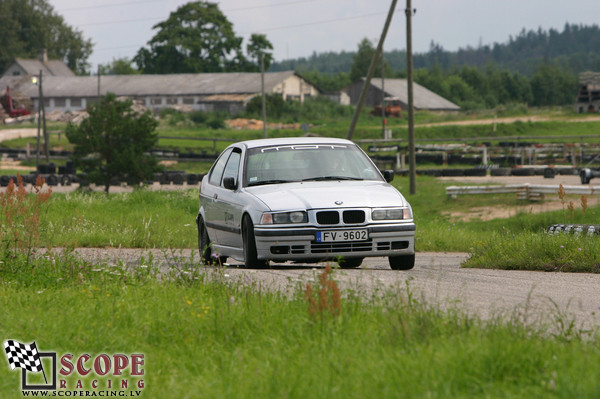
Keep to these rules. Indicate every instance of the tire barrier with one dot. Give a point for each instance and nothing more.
(577, 229)
(523, 172)
(500, 171)
(164, 179)
(177, 179)
(192, 179)
(52, 180)
(549, 173)
(476, 172)
(65, 180)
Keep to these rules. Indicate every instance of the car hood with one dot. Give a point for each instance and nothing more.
(319, 195)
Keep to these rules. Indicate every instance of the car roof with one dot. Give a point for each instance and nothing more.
(291, 141)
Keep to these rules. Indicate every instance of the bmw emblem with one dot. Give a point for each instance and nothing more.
(339, 202)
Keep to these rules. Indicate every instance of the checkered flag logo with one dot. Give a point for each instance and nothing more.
(23, 356)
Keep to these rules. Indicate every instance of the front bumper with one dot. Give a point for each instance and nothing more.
(292, 243)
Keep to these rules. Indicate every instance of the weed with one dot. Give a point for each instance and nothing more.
(20, 215)
(584, 205)
(326, 299)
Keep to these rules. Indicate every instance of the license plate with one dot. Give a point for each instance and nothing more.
(344, 235)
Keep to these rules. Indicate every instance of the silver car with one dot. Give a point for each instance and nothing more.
(302, 200)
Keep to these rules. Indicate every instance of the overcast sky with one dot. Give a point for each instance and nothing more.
(297, 28)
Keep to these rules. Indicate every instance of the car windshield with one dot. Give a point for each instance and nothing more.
(307, 162)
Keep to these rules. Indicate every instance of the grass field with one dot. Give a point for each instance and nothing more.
(203, 336)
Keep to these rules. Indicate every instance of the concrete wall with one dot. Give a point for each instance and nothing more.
(296, 88)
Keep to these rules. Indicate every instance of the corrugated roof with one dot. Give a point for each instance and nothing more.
(589, 78)
(159, 85)
(423, 98)
(49, 68)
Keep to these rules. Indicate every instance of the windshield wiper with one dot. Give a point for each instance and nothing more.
(272, 181)
(320, 178)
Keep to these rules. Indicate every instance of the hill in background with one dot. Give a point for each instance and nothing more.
(575, 49)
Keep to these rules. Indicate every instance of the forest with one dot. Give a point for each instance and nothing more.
(536, 68)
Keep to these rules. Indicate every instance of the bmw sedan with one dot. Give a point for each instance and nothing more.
(302, 200)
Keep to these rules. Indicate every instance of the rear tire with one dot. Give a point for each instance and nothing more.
(204, 246)
(350, 263)
(204, 243)
(250, 256)
(402, 262)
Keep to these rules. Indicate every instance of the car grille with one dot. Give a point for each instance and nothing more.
(328, 217)
(333, 247)
(333, 217)
(353, 217)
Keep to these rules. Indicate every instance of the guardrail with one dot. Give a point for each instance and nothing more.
(524, 191)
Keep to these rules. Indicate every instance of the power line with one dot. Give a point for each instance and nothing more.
(262, 30)
(156, 1)
(321, 22)
(123, 21)
(243, 33)
(109, 5)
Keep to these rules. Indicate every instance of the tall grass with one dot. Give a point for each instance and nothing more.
(140, 219)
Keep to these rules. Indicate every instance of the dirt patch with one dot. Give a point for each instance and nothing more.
(492, 121)
(15, 165)
(503, 212)
(255, 124)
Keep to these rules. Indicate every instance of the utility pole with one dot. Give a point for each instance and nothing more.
(39, 125)
(383, 95)
(262, 91)
(365, 88)
(45, 131)
(412, 164)
(98, 81)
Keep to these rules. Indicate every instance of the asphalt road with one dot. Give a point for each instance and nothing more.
(437, 278)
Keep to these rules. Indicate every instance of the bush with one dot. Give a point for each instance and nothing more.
(313, 108)
(198, 117)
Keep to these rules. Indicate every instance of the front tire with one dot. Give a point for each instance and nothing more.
(402, 262)
(250, 255)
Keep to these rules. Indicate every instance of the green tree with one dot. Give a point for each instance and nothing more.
(113, 142)
(28, 26)
(197, 37)
(362, 60)
(119, 66)
(259, 44)
(551, 85)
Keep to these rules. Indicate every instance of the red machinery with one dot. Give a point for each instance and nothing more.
(10, 106)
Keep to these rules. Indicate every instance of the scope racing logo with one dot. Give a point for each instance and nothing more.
(102, 375)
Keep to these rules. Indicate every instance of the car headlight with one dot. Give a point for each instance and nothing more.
(391, 214)
(284, 217)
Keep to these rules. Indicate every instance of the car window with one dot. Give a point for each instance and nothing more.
(305, 162)
(217, 171)
(233, 164)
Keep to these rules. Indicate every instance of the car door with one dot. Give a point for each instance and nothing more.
(230, 202)
(210, 194)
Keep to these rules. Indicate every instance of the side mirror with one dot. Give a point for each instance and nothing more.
(229, 183)
(388, 175)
